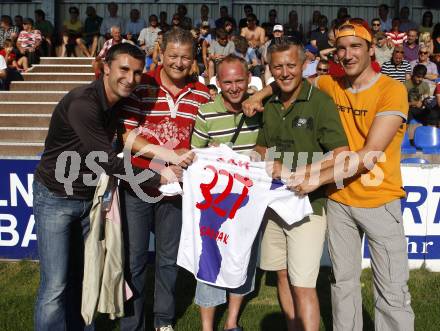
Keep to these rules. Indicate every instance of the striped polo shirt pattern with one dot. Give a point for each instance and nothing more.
(160, 117)
(215, 124)
(396, 72)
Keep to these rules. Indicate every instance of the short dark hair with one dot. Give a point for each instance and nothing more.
(6, 19)
(221, 33)
(212, 87)
(73, 9)
(384, 6)
(419, 70)
(40, 13)
(241, 44)
(178, 36)
(252, 17)
(124, 48)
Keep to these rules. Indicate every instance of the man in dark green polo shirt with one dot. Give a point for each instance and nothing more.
(300, 123)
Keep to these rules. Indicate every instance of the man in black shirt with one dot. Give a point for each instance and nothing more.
(79, 141)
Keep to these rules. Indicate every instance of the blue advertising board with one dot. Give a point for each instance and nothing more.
(17, 226)
(421, 214)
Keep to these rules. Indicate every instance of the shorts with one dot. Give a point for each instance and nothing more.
(297, 248)
(211, 296)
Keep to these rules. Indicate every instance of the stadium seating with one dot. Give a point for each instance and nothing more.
(414, 160)
(406, 147)
(427, 138)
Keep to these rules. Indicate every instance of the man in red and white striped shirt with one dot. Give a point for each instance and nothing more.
(162, 110)
(396, 36)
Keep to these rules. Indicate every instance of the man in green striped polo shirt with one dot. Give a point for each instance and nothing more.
(222, 121)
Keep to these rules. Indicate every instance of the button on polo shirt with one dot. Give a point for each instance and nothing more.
(302, 132)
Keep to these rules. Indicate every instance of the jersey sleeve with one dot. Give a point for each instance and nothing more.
(130, 113)
(394, 100)
(325, 83)
(200, 136)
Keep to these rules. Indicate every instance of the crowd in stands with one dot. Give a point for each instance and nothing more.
(400, 44)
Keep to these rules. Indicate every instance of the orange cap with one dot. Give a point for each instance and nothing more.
(356, 29)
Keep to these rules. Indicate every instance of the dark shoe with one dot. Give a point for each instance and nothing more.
(238, 328)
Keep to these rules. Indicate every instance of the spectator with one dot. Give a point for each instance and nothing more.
(314, 22)
(205, 41)
(384, 48)
(163, 23)
(247, 53)
(148, 36)
(29, 41)
(293, 29)
(7, 30)
(186, 22)
(405, 23)
(92, 24)
(116, 39)
(134, 26)
(7, 74)
(418, 90)
(397, 68)
(432, 73)
(219, 48)
(385, 19)
(278, 36)
(437, 95)
(435, 41)
(395, 35)
(72, 34)
(436, 60)
(176, 21)
(375, 26)
(224, 15)
(229, 28)
(322, 68)
(341, 16)
(3, 73)
(254, 34)
(157, 56)
(204, 17)
(247, 11)
(12, 61)
(18, 22)
(310, 62)
(213, 91)
(46, 28)
(410, 46)
(427, 22)
(112, 20)
(268, 26)
(319, 37)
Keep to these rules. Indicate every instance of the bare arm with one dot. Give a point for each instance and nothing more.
(262, 37)
(255, 102)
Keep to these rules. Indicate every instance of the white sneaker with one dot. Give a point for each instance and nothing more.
(165, 328)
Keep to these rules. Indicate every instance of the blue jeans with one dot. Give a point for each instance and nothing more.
(62, 225)
(137, 219)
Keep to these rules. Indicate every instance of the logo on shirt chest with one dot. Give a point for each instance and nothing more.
(303, 122)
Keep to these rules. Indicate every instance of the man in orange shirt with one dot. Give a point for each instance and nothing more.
(373, 109)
